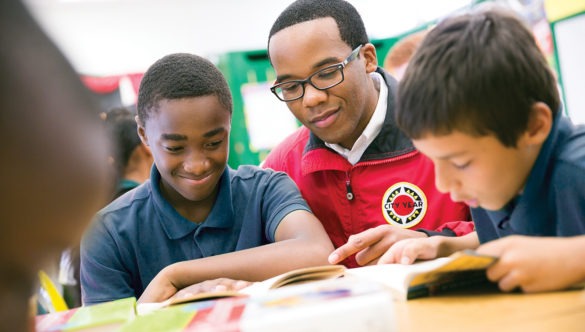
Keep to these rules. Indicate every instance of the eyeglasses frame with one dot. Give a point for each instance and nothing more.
(352, 56)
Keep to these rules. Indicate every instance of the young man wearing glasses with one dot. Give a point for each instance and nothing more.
(361, 176)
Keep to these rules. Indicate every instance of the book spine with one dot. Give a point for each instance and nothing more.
(452, 282)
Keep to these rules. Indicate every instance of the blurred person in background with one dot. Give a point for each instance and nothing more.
(131, 159)
(400, 53)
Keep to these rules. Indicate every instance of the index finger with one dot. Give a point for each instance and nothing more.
(355, 243)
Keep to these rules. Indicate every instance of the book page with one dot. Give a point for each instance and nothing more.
(416, 277)
(297, 276)
(339, 304)
(145, 308)
(395, 276)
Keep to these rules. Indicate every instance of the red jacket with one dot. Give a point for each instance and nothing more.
(392, 183)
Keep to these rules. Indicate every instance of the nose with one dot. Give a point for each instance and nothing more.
(196, 163)
(313, 96)
(443, 180)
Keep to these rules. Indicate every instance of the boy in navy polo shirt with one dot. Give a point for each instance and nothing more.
(480, 100)
(196, 219)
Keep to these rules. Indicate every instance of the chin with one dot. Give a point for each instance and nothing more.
(193, 197)
(332, 138)
(493, 207)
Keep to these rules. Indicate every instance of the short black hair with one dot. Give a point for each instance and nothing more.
(180, 75)
(480, 73)
(121, 129)
(349, 22)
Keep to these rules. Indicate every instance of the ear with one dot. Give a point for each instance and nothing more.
(369, 54)
(141, 131)
(146, 150)
(539, 125)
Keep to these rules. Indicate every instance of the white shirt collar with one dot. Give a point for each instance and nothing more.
(372, 129)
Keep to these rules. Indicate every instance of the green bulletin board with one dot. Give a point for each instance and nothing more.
(259, 120)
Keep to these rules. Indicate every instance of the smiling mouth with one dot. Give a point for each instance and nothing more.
(195, 178)
(325, 119)
(323, 116)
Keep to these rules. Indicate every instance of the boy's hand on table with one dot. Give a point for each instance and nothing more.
(536, 264)
(371, 244)
(159, 289)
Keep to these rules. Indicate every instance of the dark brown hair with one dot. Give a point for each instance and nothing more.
(479, 73)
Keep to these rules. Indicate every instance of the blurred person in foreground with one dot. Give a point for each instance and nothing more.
(53, 170)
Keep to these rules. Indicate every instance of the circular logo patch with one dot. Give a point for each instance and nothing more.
(404, 205)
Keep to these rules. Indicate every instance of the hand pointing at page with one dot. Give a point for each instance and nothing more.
(371, 244)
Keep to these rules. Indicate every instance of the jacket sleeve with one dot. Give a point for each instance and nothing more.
(452, 228)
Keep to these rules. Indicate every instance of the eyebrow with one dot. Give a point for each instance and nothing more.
(452, 155)
(179, 137)
(326, 61)
(214, 132)
(173, 137)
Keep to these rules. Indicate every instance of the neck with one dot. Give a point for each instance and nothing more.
(370, 104)
(195, 211)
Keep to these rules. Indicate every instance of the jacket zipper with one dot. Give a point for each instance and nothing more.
(349, 192)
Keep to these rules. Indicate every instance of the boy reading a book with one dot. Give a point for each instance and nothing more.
(480, 100)
(196, 219)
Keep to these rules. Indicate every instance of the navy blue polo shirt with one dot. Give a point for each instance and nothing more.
(553, 200)
(140, 233)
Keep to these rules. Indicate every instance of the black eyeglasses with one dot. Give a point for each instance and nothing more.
(324, 79)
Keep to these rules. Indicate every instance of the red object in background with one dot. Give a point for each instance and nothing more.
(109, 84)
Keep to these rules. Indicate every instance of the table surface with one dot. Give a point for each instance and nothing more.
(553, 311)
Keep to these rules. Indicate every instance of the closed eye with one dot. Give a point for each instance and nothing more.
(462, 166)
(292, 86)
(173, 149)
(328, 72)
(213, 145)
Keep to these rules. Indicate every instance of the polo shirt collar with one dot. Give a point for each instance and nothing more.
(176, 226)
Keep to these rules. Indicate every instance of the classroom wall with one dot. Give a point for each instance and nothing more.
(110, 37)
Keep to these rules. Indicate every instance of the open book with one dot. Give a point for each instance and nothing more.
(295, 277)
(461, 270)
